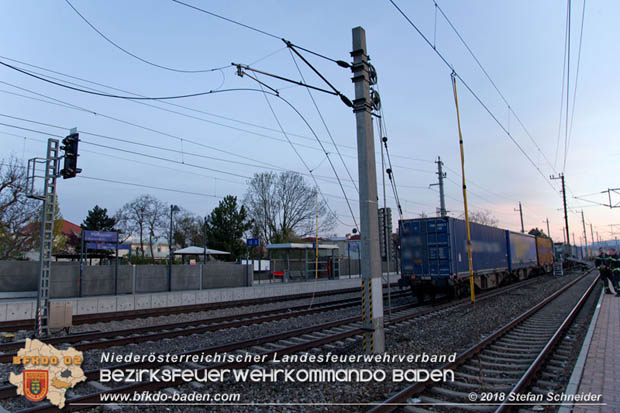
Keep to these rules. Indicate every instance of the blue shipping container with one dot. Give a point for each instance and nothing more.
(522, 250)
(437, 248)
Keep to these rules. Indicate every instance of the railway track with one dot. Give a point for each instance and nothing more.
(505, 362)
(288, 342)
(17, 325)
(104, 339)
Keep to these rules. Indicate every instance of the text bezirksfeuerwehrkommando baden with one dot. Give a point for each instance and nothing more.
(112, 357)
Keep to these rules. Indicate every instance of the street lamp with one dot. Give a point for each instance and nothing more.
(173, 209)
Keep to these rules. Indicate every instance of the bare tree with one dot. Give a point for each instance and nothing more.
(155, 221)
(17, 211)
(188, 229)
(34, 229)
(483, 216)
(143, 217)
(284, 207)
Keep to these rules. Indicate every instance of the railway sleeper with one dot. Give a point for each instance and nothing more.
(496, 380)
(297, 340)
(275, 346)
(512, 366)
(453, 394)
(473, 408)
(97, 385)
(412, 409)
(547, 383)
(511, 347)
(554, 369)
(524, 336)
(540, 390)
(549, 374)
(477, 386)
(491, 358)
(557, 363)
(488, 372)
(515, 340)
(513, 354)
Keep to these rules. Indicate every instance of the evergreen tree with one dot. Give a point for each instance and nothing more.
(98, 220)
(226, 225)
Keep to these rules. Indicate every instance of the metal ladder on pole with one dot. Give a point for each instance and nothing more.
(48, 197)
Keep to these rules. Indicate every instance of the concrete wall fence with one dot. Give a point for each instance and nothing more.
(22, 276)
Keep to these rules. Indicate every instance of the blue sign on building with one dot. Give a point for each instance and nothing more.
(102, 236)
(253, 242)
(106, 246)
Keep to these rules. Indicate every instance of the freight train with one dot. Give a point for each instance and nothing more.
(434, 256)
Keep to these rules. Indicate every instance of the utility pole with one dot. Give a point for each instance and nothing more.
(574, 243)
(548, 230)
(561, 176)
(204, 241)
(564, 235)
(372, 286)
(585, 234)
(173, 209)
(592, 235)
(442, 199)
(521, 214)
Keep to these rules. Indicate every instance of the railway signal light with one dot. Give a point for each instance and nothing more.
(70, 147)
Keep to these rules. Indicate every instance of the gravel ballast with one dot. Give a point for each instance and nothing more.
(450, 332)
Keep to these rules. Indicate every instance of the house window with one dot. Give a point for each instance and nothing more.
(158, 249)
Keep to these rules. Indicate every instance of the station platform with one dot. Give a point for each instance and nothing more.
(597, 370)
(23, 309)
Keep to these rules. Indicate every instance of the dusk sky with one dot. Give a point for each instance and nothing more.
(233, 135)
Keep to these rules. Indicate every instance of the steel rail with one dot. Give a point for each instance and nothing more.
(192, 308)
(400, 398)
(9, 391)
(548, 349)
(158, 332)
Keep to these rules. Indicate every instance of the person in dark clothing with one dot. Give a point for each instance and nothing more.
(614, 267)
(603, 262)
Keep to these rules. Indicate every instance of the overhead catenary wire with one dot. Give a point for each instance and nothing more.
(109, 95)
(148, 145)
(128, 151)
(257, 30)
(572, 116)
(423, 171)
(92, 178)
(568, 47)
(474, 94)
(179, 191)
(137, 125)
(160, 66)
(180, 152)
(142, 98)
(510, 109)
(66, 104)
(326, 128)
(301, 157)
(557, 144)
(133, 160)
(171, 103)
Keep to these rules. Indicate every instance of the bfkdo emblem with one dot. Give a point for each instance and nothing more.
(36, 384)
